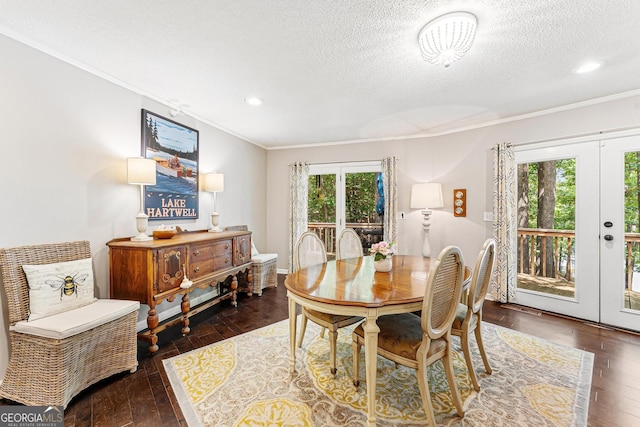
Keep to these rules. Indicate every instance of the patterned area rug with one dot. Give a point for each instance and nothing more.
(245, 381)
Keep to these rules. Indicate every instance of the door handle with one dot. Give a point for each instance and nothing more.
(608, 237)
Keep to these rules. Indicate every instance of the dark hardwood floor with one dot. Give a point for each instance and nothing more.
(145, 397)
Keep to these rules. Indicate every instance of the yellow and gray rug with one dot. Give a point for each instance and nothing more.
(245, 381)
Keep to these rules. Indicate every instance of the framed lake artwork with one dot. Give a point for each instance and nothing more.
(174, 147)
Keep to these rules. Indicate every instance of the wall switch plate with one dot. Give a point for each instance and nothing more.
(401, 215)
(488, 216)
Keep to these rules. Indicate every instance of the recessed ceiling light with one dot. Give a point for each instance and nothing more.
(588, 67)
(254, 100)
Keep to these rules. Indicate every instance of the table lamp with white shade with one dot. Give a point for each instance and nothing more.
(141, 171)
(214, 182)
(426, 196)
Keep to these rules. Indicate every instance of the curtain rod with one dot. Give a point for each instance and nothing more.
(336, 162)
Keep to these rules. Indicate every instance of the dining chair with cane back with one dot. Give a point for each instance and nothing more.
(469, 316)
(311, 251)
(349, 244)
(419, 341)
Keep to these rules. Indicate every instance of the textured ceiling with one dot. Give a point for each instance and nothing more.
(342, 70)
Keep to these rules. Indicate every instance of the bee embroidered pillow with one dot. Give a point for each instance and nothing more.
(54, 288)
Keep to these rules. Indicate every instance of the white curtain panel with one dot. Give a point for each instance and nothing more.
(298, 195)
(505, 230)
(390, 188)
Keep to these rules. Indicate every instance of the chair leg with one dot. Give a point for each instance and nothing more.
(448, 368)
(485, 359)
(303, 328)
(355, 347)
(466, 350)
(333, 338)
(423, 385)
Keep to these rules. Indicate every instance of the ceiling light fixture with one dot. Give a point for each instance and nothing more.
(588, 67)
(447, 38)
(254, 100)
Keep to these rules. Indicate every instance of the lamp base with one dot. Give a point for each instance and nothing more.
(426, 223)
(142, 221)
(215, 220)
(141, 238)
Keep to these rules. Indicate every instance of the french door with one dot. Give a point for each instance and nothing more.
(619, 228)
(344, 195)
(578, 247)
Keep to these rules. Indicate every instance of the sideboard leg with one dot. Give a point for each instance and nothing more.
(250, 282)
(186, 306)
(234, 286)
(152, 323)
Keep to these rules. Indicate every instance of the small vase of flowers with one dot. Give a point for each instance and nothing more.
(382, 253)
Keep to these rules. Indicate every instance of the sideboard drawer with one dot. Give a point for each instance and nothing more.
(202, 268)
(222, 248)
(201, 252)
(222, 262)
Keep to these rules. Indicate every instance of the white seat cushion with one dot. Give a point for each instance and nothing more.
(77, 320)
(260, 258)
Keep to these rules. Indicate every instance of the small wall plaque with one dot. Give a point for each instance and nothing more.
(460, 202)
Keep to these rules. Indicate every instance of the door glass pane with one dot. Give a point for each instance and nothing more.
(321, 216)
(632, 228)
(364, 206)
(546, 227)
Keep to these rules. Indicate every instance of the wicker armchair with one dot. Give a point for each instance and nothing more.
(54, 358)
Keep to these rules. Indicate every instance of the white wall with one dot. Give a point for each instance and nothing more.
(460, 160)
(65, 136)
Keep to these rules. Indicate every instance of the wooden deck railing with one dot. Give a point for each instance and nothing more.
(563, 247)
(563, 252)
(369, 233)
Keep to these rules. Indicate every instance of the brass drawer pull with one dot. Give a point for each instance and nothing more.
(196, 253)
(226, 246)
(226, 260)
(196, 270)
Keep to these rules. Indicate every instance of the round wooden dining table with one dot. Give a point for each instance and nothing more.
(352, 287)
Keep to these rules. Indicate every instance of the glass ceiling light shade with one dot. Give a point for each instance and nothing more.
(447, 38)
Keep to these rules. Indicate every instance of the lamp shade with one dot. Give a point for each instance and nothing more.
(213, 182)
(448, 38)
(426, 195)
(141, 171)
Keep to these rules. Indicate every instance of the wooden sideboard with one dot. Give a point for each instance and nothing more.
(154, 271)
